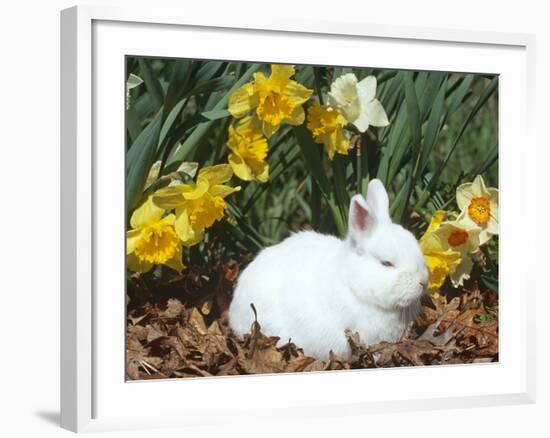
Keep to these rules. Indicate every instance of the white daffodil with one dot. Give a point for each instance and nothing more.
(479, 207)
(357, 101)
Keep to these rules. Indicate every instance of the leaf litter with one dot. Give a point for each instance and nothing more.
(177, 327)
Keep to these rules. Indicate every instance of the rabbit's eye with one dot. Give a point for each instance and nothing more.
(387, 263)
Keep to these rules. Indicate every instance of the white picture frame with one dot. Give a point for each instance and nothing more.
(94, 394)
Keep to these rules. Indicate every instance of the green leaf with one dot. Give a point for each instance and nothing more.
(191, 142)
(214, 115)
(435, 122)
(312, 158)
(396, 143)
(179, 131)
(179, 83)
(484, 96)
(169, 122)
(151, 83)
(212, 85)
(490, 158)
(142, 141)
(132, 123)
(305, 75)
(458, 94)
(312, 161)
(278, 165)
(318, 85)
(490, 282)
(339, 174)
(207, 70)
(428, 93)
(399, 205)
(413, 118)
(138, 168)
(252, 234)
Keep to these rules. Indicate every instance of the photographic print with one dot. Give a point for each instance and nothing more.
(298, 218)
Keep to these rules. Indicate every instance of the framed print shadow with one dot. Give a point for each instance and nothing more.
(305, 222)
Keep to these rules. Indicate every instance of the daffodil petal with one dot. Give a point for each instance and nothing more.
(366, 89)
(132, 236)
(146, 213)
(262, 174)
(465, 220)
(223, 191)
(182, 225)
(330, 149)
(436, 220)
(431, 243)
(176, 262)
(478, 187)
(199, 189)
(281, 73)
(169, 219)
(464, 195)
(362, 123)
(484, 236)
(216, 174)
(169, 197)
(344, 89)
(493, 196)
(239, 167)
(297, 93)
(135, 265)
(473, 240)
(492, 225)
(376, 114)
(269, 129)
(242, 101)
(259, 78)
(461, 272)
(342, 142)
(297, 116)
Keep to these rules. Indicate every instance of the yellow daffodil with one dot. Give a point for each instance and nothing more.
(277, 99)
(441, 260)
(479, 207)
(463, 239)
(248, 151)
(356, 100)
(326, 124)
(447, 247)
(152, 239)
(199, 205)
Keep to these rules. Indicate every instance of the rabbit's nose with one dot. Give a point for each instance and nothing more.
(423, 284)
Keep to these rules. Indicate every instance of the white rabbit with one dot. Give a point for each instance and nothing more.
(311, 287)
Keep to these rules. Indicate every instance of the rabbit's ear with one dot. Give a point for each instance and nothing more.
(378, 201)
(361, 219)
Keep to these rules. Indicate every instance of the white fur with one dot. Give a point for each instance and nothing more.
(311, 287)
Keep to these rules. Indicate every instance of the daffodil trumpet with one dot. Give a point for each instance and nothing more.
(152, 239)
(326, 124)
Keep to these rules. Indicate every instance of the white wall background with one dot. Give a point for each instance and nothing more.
(29, 213)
